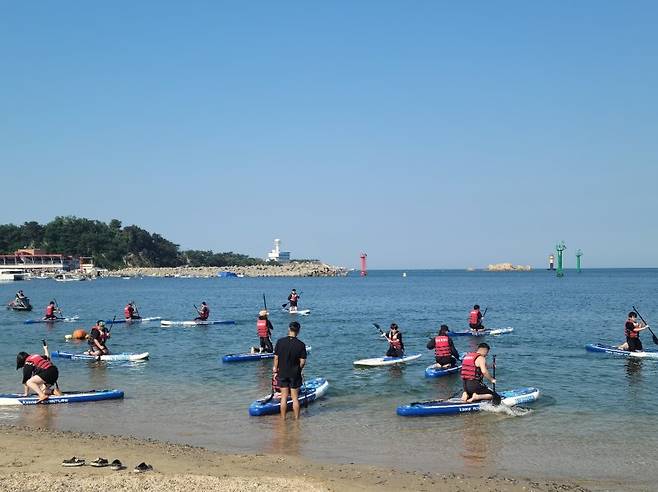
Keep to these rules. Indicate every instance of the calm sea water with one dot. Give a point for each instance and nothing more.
(597, 417)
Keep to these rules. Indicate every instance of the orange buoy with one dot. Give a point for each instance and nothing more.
(79, 334)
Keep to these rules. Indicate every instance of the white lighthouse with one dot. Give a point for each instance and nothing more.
(277, 255)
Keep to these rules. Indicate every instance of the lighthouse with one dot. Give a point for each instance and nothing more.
(364, 267)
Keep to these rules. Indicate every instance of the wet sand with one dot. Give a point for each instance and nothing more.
(30, 459)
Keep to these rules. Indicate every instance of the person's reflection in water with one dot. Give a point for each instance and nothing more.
(43, 416)
(634, 376)
(475, 437)
(285, 437)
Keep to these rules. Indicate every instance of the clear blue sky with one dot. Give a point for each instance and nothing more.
(425, 133)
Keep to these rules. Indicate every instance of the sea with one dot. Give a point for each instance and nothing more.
(597, 417)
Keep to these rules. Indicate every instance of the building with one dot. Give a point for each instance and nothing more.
(277, 255)
(38, 261)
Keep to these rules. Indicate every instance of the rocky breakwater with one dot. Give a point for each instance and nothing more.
(305, 269)
(508, 267)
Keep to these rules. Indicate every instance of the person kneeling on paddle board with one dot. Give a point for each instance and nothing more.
(39, 374)
(204, 312)
(445, 353)
(289, 361)
(97, 340)
(293, 299)
(395, 344)
(264, 331)
(474, 370)
(632, 330)
(475, 319)
(130, 312)
(51, 311)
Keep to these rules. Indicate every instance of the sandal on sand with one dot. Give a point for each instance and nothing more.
(142, 467)
(74, 462)
(116, 465)
(100, 462)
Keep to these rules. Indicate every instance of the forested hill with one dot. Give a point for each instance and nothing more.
(111, 245)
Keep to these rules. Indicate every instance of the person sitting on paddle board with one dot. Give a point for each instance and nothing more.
(445, 353)
(289, 361)
(204, 312)
(97, 340)
(632, 330)
(395, 344)
(39, 374)
(264, 331)
(130, 312)
(293, 299)
(475, 319)
(21, 299)
(474, 370)
(51, 311)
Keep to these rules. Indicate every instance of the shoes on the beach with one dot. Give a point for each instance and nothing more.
(116, 465)
(142, 468)
(73, 462)
(99, 462)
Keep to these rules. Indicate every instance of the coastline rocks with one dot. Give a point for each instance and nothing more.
(508, 267)
(293, 269)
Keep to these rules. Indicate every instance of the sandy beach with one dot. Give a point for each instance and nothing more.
(30, 459)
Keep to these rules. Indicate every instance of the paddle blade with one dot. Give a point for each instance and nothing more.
(655, 339)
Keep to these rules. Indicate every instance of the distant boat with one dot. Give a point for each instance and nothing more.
(227, 275)
(68, 277)
(404, 274)
(12, 275)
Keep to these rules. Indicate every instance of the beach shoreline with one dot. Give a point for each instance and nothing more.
(31, 459)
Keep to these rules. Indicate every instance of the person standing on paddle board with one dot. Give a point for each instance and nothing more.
(293, 299)
(632, 330)
(130, 312)
(39, 374)
(289, 361)
(474, 370)
(97, 340)
(51, 311)
(264, 330)
(475, 319)
(395, 344)
(204, 312)
(445, 353)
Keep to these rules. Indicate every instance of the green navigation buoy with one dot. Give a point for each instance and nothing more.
(579, 253)
(560, 247)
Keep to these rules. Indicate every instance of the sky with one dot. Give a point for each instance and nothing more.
(427, 134)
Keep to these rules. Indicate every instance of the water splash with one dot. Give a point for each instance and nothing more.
(507, 410)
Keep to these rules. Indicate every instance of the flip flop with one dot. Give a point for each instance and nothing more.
(99, 462)
(142, 468)
(74, 462)
(116, 465)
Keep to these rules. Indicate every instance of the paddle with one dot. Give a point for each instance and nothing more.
(485, 312)
(265, 302)
(112, 324)
(58, 308)
(494, 373)
(380, 330)
(655, 339)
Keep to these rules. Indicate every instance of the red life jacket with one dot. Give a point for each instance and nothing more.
(442, 346)
(261, 328)
(294, 297)
(50, 310)
(204, 313)
(470, 372)
(395, 342)
(128, 311)
(630, 333)
(39, 362)
(473, 317)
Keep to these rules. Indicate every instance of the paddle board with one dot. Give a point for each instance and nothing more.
(310, 391)
(301, 312)
(386, 361)
(197, 323)
(56, 320)
(131, 321)
(248, 356)
(108, 358)
(611, 349)
(455, 405)
(434, 371)
(71, 397)
(481, 333)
